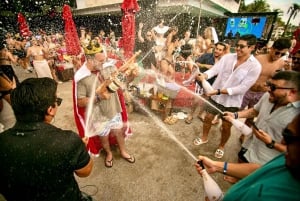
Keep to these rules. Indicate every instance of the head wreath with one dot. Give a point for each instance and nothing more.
(92, 48)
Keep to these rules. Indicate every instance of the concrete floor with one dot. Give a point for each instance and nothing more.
(164, 168)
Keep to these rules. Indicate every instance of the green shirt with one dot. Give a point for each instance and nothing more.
(272, 181)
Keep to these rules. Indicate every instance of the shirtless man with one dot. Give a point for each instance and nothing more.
(39, 54)
(271, 62)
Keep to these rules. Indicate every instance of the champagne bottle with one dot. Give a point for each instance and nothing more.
(243, 128)
(205, 84)
(212, 190)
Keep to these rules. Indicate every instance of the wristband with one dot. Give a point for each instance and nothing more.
(225, 168)
(219, 92)
(236, 115)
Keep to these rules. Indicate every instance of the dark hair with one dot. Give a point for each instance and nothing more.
(31, 99)
(186, 50)
(174, 38)
(290, 76)
(250, 38)
(222, 44)
(282, 43)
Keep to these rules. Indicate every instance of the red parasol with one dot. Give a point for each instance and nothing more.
(71, 36)
(23, 26)
(129, 8)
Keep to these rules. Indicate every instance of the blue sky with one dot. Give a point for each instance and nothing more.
(284, 6)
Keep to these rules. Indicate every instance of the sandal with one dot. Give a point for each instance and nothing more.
(199, 141)
(219, 153)
(173, 120)
(108, 164)
(131, 159)
(188, 120)
(200, 117)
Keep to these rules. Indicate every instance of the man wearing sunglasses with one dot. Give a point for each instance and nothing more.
(270, 63)
(273, 111)
(236, 73)
(277, 180)
(38, 160)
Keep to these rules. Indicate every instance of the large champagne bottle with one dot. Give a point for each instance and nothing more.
(212, 190)
(205, 84)
(242, 127)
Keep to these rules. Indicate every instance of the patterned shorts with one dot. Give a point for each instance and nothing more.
(115, 123)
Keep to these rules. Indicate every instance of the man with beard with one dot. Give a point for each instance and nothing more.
(274, 111)
(271, 62)
(278, 180)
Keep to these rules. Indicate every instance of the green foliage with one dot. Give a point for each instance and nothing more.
(257, 6)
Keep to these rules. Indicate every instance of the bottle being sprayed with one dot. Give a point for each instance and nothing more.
(205, 84)
(242, 127)
(212, 190)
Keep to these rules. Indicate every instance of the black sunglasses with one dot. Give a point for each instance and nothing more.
(273, 87)
(241, 46)
(280, 53)
(289, 137)
(58, 101)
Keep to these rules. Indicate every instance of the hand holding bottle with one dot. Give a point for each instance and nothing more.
(242, 127)
(212, 190)
(205, 84)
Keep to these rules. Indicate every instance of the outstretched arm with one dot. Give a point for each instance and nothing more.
(238, 170)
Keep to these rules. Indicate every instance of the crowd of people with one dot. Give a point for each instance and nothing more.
(263, 88)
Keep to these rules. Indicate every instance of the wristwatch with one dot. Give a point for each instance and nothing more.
(271, 145)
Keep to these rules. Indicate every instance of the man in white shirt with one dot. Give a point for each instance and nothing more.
(236, 72)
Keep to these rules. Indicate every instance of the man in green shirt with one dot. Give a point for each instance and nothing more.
(278, 179)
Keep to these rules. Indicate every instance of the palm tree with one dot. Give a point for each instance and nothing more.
(293, 10)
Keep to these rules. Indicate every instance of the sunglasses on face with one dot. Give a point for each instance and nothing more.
(289, 137)
(273, 87)
(58, 101)
(241, 46)
(280, 53)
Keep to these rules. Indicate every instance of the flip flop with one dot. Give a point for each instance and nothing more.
(188, 120)
(199, 141)
(214, 122)
(108, 164)
(219, 153)
(200, 117)
(131, 159)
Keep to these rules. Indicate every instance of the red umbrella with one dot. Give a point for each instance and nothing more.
(71, 36)
(129, 8)
(23, 26)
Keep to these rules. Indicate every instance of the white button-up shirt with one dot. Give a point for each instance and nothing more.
(236, 81)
